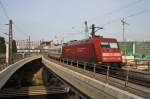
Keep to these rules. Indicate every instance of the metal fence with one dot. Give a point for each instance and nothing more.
(108, 72)
(136, 47)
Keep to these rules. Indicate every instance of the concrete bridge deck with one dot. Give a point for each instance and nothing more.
(95, 89)
(91, 87)
(6, 73)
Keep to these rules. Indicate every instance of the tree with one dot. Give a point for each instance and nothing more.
(14, 47)
(2, 45)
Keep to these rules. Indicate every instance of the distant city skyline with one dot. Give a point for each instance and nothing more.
(46, 19)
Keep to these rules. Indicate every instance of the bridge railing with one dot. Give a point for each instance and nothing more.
(138, 64)
(126, 76)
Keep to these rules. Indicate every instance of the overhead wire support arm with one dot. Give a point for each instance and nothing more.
(98, 28)
(93, 29)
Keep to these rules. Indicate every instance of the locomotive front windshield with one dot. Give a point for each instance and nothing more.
(109, 45)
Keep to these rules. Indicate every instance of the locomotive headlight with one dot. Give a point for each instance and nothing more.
(117, 54)
(111, 54)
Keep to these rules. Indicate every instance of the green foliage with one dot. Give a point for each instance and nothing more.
(2, 45)
(126, 47)
(14, 47)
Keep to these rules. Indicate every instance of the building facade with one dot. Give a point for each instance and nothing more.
(32, 46)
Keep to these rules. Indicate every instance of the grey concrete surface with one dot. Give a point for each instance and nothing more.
(91, 87)
(6, 73)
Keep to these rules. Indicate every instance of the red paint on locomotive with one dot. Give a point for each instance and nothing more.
(95, 49)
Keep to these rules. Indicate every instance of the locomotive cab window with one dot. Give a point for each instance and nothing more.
(105, 45)
(109, 45)
(113, 45)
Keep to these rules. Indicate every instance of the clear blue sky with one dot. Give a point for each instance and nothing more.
(43, 19)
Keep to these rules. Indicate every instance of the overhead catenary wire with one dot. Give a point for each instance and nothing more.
(22, 31)
(128, 16)
(119, 9)
(4, 10)
(7, 16)
(114, 11)
(138, 13)
(110, 13)
(2, 32)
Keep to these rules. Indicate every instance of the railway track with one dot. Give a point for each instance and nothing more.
(125, 75)
(32, 91)
(128, 76)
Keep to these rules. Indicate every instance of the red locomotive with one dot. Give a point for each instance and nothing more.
(93, 50)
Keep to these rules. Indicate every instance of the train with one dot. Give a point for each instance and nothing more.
(96, 49)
